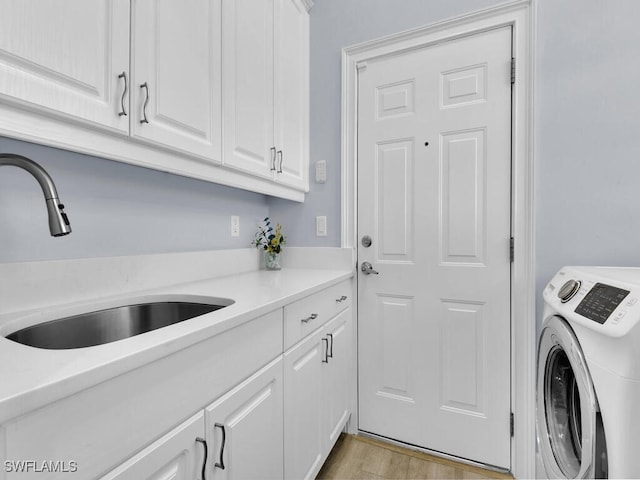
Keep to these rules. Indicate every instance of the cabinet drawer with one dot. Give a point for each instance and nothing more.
(304, 316)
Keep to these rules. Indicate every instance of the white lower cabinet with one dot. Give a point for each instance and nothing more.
(336, 378)
(178, 455)
(266, 399)
(316, 403)
(244, 429)
(303, 408)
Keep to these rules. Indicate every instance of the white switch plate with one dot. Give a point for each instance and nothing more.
(321, 226)
(235, 226)
(321, 171)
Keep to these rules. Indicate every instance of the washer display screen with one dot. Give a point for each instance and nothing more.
(600, 302)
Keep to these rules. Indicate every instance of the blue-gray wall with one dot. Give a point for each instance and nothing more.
(117, 209)
(588, 124)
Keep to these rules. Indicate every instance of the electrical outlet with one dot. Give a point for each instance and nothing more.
(321, 171)
(321, 226)
(235, 226)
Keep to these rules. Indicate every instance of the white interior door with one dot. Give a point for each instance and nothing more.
(434, 195)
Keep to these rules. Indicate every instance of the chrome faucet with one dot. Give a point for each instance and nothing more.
(58, 221)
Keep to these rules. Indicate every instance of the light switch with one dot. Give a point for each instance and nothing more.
(321, 226)
(321, 171)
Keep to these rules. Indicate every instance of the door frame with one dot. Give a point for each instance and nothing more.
(520, 15)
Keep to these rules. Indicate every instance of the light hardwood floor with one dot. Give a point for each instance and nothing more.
(358, 457)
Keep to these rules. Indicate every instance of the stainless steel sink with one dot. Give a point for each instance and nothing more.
(104, 326)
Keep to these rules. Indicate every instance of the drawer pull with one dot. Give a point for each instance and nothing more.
(330, 352)
(341, 299)
(313, 316)
(220, 464)
(206, 454)
(326, 350)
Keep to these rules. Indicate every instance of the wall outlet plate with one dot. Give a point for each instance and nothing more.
(321, 226)
(235, 226)
(321, 171)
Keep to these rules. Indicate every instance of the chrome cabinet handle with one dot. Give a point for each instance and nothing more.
(206, 454)
(341, 299)
(220, 463)
(330, 353)
(273, 159)
(313, 316)
(279, 164)
(326, 350)
(146, 102)
(123, 113)
(367, 269)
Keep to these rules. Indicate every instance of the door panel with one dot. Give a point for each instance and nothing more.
(434, 193)
(461, 376)
(396, 314)
(395, 200)
(463, 197)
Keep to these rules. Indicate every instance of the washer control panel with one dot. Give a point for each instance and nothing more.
(600, 302)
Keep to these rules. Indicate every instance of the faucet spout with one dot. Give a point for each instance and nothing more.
(58, 220)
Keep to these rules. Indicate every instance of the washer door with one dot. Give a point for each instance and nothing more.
(566, 406)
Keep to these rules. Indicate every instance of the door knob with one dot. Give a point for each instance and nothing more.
(367, 269)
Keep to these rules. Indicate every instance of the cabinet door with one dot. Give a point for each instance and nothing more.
(65, 58)
(177, 455)
(303, 452)
(336, 377)
(248, 85)
(244, 428)
(291, 84)
(176, 75)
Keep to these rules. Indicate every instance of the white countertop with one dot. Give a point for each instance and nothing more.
(33, 377)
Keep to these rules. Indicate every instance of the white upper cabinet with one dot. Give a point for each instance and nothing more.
(291, 88)
(175, 79)
(66, 61)
(248, 85)
(266, 85)
(211, 89)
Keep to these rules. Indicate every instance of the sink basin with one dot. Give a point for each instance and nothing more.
(109, 325)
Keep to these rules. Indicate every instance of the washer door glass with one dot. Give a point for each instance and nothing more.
(563, 415)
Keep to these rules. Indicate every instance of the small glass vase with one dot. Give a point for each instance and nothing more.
(272, 260)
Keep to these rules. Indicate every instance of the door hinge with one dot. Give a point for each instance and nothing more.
(512, 250)
(511, 424)
(513, 70)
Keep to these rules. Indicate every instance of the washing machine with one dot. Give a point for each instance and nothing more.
(588, 375)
